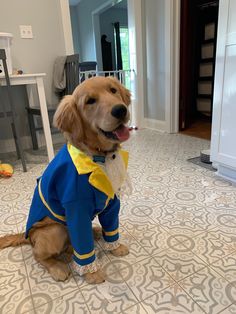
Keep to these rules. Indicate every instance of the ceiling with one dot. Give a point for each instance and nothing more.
(74, 2)
(120, 5)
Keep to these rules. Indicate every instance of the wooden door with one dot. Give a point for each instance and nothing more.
(196, 15)
(187, 33)
(205, 63)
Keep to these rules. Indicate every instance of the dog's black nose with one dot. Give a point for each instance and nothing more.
(119, 111)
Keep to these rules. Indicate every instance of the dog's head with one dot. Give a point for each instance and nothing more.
(96, 113)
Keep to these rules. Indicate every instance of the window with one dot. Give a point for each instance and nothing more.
(124, 41)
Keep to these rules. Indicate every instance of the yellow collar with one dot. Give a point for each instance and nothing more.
(84, 165)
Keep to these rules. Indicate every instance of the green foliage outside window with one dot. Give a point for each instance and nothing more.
(124, 41)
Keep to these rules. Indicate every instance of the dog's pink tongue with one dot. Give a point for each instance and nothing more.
(122, 133)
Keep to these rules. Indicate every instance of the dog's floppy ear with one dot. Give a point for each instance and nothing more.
(67, 117)
(64, 117)
(125, 93)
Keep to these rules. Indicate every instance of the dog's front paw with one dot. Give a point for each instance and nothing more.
(95, 278)
(97, 233)
(59, 271)
(122, 250)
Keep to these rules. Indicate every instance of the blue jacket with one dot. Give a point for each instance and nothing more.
(73, 190)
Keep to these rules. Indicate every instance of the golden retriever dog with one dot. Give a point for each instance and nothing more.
(82, 181)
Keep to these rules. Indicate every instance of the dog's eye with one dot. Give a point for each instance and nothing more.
(91, 101)
(113, 90)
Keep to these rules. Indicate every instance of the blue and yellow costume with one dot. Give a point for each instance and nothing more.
(73, 190)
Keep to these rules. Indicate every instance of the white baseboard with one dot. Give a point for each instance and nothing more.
(155, 124)
(8, 146)
(226, 173)
(56, 138)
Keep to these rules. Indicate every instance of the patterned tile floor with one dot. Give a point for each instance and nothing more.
(180, 225)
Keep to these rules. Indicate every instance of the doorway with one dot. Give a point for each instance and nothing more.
(199, 19)
(114, 36)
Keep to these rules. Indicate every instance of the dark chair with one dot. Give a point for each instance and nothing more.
(72, 80)
(32, 112)
(86, 67)
(72, 73)
(12, 113)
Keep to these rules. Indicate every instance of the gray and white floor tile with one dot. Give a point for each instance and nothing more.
(179, 224)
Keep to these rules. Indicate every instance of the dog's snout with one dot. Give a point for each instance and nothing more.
(119, 111)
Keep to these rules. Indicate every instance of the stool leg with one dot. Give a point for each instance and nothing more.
(14, 136)
(32, 131)
(19, 149)
(15, 127)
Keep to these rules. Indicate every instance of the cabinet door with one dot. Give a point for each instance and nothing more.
(223, 144)
(227, 140)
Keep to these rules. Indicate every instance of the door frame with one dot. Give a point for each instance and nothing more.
(136, 53)
(172, 65)
(172, 45)
(66, 26)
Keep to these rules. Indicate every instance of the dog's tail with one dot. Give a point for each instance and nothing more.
(13, 240)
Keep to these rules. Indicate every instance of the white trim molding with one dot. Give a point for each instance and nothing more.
(172, 48)
(157, 125)
(136, 60)
(174, 114)
(97, 39)
(66, 25)
(8, 145)
(226, 173)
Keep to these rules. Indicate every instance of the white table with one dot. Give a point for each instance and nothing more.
(37, 80)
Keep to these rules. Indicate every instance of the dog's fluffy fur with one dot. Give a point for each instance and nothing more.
(81, 117)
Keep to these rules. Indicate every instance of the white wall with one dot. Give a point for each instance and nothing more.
(154, 26)
(161, 27)
(75, 28)
(33, 55)
(38, 54)
(86, 35)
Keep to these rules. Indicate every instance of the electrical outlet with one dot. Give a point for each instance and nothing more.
(26, 31)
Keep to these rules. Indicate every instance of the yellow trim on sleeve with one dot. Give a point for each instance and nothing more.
(46, 204)
(107, 201)
(111, 233)
(84, 256)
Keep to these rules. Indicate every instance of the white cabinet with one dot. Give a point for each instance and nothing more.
(223, 143)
